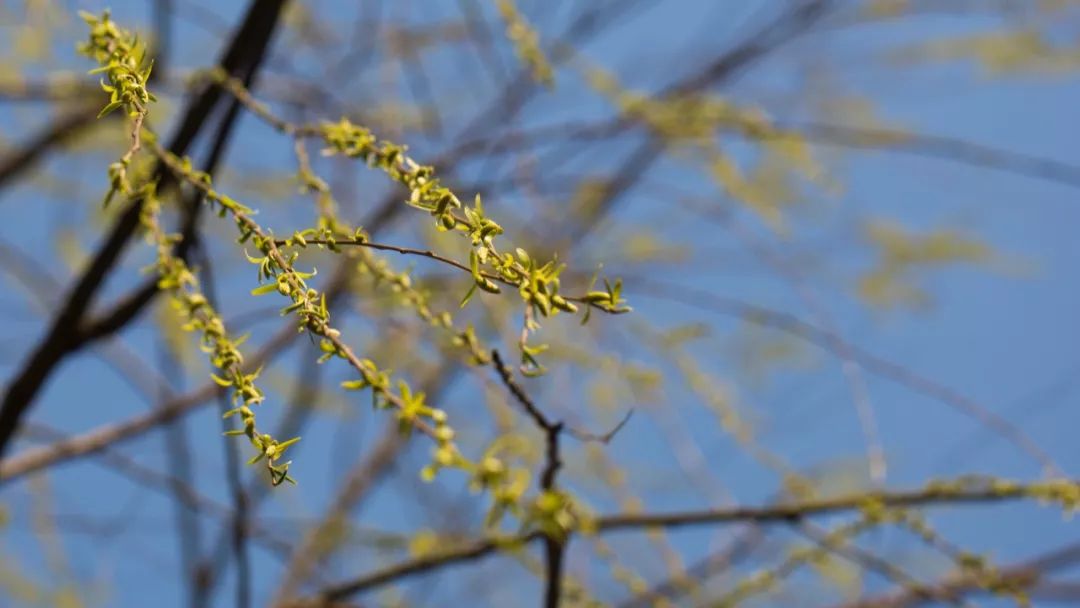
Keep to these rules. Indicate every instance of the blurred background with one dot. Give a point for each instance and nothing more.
(847, 230)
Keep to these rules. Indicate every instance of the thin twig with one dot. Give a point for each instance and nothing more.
(604, 438)
(427, 253)
(554, 546)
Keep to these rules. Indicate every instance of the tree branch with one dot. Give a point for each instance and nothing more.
(93, 441)
(360, 479)
(949, 493)
(554, 546)
(56, 133)
(1028, 575)
(63, 337)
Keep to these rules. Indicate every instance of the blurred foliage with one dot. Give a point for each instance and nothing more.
(511, 236)
(902, 256)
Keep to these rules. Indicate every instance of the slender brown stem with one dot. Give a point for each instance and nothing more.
(554, 545)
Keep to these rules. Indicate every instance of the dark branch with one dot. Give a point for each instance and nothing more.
(63, 338)
(56, 133)
(554, 546)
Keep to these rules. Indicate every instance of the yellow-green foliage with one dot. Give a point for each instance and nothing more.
(526, 42)
(551, 510)
(1005, 52)
(694, 121)
(901, 254)
(767, 174)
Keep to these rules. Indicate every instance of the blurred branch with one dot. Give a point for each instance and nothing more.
(320, 538)
(795, 20)
(786, 322)
(166, 484)
(944, 493)
(239, 522)
(869, 561)
(1029, 575)
(58, 87)
(866, 138)
(63, 337)
(926, 145)
(178, 450)
(676, 586)
(837, 343)
(467, 553)
(90, 442)
(56, 133)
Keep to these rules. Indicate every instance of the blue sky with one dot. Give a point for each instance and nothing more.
(1003, 336)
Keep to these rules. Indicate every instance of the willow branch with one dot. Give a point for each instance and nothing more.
(167, 484)
(554, 547)
(933, 495)
(93, 441)
(245, 50)
(1029, 575)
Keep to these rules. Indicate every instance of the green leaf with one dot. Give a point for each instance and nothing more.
(468, 296)
(221, 381)
(285, 444)
(264, 289)
(109, 108)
